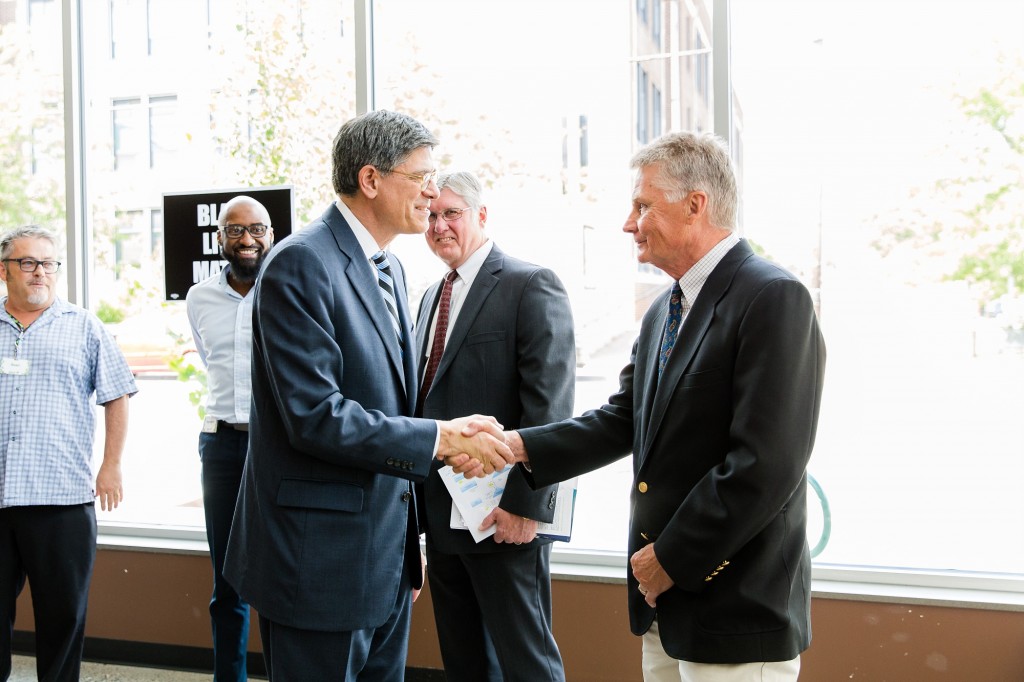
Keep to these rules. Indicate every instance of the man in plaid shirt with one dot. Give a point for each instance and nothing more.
(54, 356)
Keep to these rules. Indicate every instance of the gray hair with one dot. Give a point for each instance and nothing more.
(26, 232)
(242, 200)
(465, 184)
(382, 139)
(694, 161)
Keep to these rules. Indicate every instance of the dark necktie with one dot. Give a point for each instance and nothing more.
(440, 331)
(672, 324)
(387, 288)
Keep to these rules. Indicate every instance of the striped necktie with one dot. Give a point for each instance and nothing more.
(672, 324)
(387, 288)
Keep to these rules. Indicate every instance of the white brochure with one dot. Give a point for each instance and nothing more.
(474, 498)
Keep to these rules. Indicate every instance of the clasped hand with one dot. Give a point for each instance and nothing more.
(475, 445)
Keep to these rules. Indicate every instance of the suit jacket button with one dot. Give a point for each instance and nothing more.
(642, 486)
(390, 461)
(406, 496)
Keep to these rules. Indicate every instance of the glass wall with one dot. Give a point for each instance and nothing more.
(879, 148)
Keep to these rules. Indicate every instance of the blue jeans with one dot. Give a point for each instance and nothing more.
(223, 457)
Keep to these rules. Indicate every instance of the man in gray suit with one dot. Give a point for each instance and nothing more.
(324, 542)
(494, 336)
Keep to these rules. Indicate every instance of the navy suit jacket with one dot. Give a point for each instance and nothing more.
(720, 448)
(512, 355)
(321, 531)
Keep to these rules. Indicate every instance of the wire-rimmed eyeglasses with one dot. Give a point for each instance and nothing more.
(423, 178)
(450, 215)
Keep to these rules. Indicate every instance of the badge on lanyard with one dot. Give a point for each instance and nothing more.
(14, 366)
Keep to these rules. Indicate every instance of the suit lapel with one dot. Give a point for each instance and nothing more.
(361, 277)
(695, 326)
(483, 285)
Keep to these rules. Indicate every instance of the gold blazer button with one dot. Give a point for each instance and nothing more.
(642, 486)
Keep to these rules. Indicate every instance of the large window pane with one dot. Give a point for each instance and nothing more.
(186, 96)
(884, 154)
(543, 112)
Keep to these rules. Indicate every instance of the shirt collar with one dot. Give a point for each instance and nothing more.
(366, 241)
(693, 279)
(469, 269)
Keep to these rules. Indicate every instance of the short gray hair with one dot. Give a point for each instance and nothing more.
(465, 184)
(26, 232)
(694, 161)
(382, 139)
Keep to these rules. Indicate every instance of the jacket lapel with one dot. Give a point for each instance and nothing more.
(695, 326)
(363, 280)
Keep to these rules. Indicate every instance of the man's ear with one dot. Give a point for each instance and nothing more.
(697, 203)
(483, 217)
(369, 181)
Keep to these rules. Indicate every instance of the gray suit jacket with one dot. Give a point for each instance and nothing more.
(321, 533)
(720, 447)
(512, 355)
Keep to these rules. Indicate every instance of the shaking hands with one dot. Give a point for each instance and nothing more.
(474, 446)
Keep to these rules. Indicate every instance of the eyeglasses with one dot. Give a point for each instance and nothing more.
(30, 264)
(257, 230)
(450, 215)
(423, 178)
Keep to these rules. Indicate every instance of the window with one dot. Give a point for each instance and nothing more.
(128, 134)
(898, 166)
(886, 177)
(163, 130)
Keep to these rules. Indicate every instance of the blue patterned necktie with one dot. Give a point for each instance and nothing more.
(387, 288)
(672, 324)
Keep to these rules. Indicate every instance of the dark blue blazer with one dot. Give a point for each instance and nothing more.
(321, 533)
(720, 448)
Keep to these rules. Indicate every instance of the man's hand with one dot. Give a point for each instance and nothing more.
(648, 571)
(108, 486)
(480, 453)
(423, 574)
(512, 528)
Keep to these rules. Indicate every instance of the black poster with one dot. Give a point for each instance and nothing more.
(191, 253)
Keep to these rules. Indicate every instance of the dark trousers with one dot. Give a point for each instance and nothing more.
(493, 615)
(372, 655)
(55, 548)
(223, 457)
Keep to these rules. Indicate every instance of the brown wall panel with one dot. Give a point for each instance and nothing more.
(162, 598)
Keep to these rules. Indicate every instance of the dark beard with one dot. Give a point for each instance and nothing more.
(244, 271)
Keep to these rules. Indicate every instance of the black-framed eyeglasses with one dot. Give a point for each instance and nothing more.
(257, 230)
(30, 264)
(423, 178)
(450, 215)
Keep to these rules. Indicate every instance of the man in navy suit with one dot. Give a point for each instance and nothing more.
(719, 406)
(500, 333)
(324, 543)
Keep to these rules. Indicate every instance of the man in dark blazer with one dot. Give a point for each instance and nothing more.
(720, 568)
(504, 345)
(324, 543)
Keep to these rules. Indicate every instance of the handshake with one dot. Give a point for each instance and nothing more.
(474, 446)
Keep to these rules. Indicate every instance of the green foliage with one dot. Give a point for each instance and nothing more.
(973, 223)
(109, 313)
(181, 363)
(31, 136)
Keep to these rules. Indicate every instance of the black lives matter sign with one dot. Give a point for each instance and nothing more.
(191, 252)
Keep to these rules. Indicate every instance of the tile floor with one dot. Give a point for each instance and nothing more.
(25, 671)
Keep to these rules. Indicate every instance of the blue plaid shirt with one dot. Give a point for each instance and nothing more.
(46, 419)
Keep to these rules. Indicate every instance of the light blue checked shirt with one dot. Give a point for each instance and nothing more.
(46, 418)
